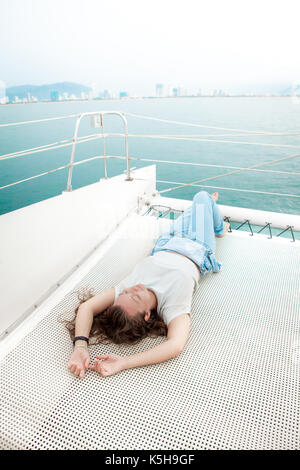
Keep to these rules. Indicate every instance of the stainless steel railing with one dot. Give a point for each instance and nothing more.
(99, 123)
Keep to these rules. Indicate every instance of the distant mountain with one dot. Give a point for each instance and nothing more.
(43, 92)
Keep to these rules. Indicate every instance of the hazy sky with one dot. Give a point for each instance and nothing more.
(132, 45)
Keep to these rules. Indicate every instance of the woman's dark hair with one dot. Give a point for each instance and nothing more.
(114, 326)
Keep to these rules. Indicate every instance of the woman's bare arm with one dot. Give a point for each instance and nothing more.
(100, 302)
(178, 333)
(79, 360)
(89, 309)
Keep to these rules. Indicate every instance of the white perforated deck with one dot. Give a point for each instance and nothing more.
(235, 386)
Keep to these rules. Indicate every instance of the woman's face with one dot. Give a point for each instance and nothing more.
(134, 300)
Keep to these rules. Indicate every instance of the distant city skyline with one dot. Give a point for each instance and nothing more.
(166, 89)
(66, 91)
(131, 46)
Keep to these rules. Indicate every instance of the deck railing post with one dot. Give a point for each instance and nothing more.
(104, 146)
(69, 184)
(100, 114)
(128, 177)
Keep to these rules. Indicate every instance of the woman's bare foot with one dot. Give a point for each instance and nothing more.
(226, 228)
(215, 196)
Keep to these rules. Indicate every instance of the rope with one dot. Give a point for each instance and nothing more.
(210, 165)
(158, 161)
(31, 150)
(233, 189)
(230, 173)
(173, 182)
(44, 148)
(159, 212)
(51, 171)
(65, 143)
(36, 120)
(68, 142)
(35, 176)
(249, 132)
(289, 227)
(220, 141)
(295, 134)
(192, 125)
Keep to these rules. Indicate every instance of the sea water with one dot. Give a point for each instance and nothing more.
(271, 191)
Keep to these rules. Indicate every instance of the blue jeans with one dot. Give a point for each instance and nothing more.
(193, 233)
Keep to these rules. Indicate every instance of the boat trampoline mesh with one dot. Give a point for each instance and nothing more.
(235, 385)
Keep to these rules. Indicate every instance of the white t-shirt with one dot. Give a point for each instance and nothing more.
(171, 277)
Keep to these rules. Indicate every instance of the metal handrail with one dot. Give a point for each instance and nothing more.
(75, 138)
(158, 181)
(162, 181)
(90, 137)
(100, 114)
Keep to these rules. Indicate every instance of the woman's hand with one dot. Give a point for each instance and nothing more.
(79, 361)
(111, 364)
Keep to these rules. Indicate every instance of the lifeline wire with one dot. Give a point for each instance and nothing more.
(230, 173)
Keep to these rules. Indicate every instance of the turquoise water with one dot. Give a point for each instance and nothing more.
(257, 114)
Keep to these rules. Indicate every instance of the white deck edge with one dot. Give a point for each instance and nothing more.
(236, 214)
(8, 342)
